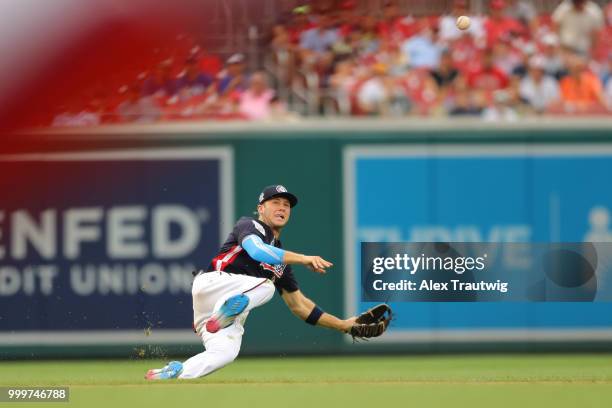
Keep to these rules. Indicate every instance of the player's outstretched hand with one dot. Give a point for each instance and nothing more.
(316, 263)
(348, 324)
(372, 323)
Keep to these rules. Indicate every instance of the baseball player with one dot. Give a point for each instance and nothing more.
(250, 265)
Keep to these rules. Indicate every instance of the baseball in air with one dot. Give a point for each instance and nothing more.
(463, 22)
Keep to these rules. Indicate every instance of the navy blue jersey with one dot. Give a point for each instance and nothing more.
(232, 258)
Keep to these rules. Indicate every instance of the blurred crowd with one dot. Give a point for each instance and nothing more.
(511, 62)
(199, 87)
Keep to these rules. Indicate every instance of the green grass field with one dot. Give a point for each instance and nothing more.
(408, 381)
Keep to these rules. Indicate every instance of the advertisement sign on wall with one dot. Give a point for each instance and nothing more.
(479, 193)
(98, 247)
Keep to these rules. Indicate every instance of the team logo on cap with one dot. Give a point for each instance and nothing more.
(261, 197)
(281, 189)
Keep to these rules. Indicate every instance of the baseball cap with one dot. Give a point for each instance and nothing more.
(277, 190)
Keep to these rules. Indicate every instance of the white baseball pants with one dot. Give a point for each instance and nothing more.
(210, 290)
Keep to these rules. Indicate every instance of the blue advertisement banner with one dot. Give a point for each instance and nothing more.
(478, 193)
(101, 245)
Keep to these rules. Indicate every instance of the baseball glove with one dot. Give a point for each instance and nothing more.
(372, 322)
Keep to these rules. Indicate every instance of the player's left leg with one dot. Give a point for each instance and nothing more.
(171, 370)
(221, 349)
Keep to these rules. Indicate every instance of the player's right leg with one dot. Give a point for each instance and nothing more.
(255, 292)
(211, 292)
(227, 313)
(219, 298)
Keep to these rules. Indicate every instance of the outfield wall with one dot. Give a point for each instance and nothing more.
(74, 196)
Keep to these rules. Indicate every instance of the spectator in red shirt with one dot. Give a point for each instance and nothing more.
(346, 18)
(604, 43)
(394, 26)
(498, 26)
(488, 78)
(466, 53)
